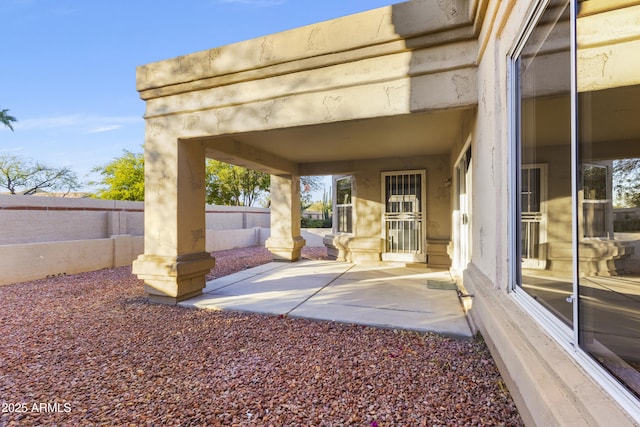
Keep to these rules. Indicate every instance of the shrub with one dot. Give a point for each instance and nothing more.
(315, 223)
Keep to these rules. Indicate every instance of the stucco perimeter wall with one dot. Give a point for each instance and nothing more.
(236, 217)
(49, 236)
(31, 219)
(24, 262)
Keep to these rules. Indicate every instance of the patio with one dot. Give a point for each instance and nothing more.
(412, 298)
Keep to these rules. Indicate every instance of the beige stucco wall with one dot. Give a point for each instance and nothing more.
(48, 236)
(31, 261)
(548, 384)
(220, 240)
(368, 194)
(366, 242)
(24, 262)
(236, 217)
(28, 219)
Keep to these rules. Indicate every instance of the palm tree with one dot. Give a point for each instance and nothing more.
(6, 119)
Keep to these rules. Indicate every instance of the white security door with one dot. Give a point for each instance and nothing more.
(403, 219)
(534, 218)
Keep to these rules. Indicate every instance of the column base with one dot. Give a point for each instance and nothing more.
(437, 253)
(169, 280)
(285, 249)
(347, 248)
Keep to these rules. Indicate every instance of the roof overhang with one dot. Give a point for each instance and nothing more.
(397, 81)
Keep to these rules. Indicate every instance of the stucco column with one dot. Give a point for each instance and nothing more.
(285, 242)
(175, 262)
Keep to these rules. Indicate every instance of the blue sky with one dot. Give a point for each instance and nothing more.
(68, 66)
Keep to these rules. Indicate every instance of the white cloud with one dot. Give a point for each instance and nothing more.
(258, 3)
(81, 122)
(105, 128)
(48, 122)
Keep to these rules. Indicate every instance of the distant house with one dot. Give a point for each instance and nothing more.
(477, 136)
(312, 214)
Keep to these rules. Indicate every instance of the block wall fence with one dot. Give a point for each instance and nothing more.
(50, 236)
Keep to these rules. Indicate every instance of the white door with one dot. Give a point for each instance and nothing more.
(404, 193)
(462, 214)
(534, 218)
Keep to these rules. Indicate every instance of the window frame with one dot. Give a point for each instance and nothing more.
(566, 337)
(607, 234)
(343, 206)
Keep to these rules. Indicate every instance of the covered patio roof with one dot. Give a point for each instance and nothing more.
(332, 148)
(397, 81)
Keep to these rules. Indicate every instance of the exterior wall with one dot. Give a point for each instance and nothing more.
(548, 383)
(365, 244)
(49, 236)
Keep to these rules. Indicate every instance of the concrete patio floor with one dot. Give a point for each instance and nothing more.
(376, 295)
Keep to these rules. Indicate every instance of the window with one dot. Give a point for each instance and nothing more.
(575, 111)
(344, 206)
(608, 134)
(596, 201)
(533, 196)
(543, 100)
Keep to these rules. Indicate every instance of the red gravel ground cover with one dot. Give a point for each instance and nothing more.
(89, 350)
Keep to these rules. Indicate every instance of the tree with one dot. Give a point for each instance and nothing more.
(308, 184)
(22, 176)
(626, 179)
(229, 184)
(122, 178)
(6, 119)
(226, 184)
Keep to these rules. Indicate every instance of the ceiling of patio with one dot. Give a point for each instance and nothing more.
(419, 134)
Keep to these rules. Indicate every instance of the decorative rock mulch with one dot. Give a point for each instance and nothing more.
(89, 350)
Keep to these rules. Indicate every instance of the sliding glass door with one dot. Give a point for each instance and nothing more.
(608, 199)
(576, 108)
(545, 267)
